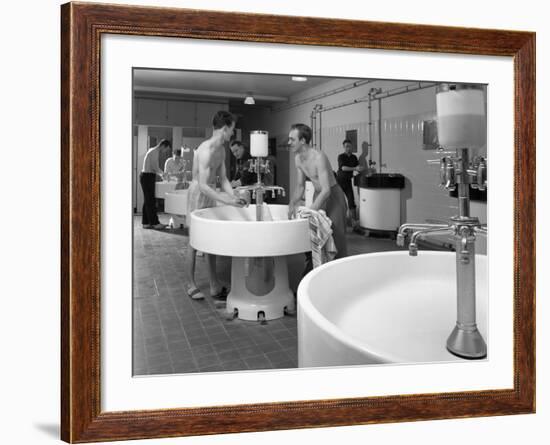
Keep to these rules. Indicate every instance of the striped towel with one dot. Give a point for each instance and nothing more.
(323, 248)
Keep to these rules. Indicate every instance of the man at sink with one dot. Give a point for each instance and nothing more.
(209, 164)
(314, 165)
(241, 175)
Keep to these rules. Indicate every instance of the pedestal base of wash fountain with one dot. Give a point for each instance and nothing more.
(259, 274)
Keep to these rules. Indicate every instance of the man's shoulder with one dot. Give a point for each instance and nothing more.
(203, 147)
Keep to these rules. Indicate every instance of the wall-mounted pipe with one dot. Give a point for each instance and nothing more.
(341, 89)
(321, 130)
(317, 109)
(379, 135)
(374, 94)
(384, 95)
(370, 130)
(313, 120)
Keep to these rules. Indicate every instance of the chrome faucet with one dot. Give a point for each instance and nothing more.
(458, 172)
(259, 166)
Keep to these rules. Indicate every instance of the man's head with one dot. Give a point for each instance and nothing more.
(237, 148)
(165, 146)
(347, 146)
(224, 121)
(299, 135)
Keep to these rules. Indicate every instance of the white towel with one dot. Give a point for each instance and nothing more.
(323, 248)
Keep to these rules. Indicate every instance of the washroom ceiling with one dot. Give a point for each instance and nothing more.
(267, 89)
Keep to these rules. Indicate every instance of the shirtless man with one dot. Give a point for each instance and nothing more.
(175, 166)
(209, 164)
(147, 179)
(314, 165)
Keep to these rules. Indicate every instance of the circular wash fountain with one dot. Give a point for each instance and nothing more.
(259, 273)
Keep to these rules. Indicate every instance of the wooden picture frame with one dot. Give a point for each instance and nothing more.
(82, 26)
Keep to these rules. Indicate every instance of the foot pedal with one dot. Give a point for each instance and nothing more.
(230, 316)
(290, 312)
(261, 318)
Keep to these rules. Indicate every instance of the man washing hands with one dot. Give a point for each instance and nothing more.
(329, 196)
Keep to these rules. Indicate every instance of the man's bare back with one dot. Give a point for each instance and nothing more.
(210, 155)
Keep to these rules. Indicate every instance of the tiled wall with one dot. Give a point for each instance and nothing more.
(402, 141)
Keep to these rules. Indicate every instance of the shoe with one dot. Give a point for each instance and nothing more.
(358, 230)
(221, 295)
(195, 294)
(147, 226)
(159, 226)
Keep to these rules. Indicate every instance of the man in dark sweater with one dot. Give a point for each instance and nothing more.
(241, 174)
(347, 164)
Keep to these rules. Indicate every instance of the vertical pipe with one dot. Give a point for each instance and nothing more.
(465, 287)
(320, 130)
(463, 185)
(379, 135)
(259, 190)
(312, 120)
(370, 129)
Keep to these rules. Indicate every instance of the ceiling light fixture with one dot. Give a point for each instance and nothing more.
(249, 99)
(299, 78)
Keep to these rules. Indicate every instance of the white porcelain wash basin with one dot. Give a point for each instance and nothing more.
(161, 188)
(259, 272)
(383, 308)
(234, 231)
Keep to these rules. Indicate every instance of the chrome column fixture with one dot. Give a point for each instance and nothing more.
(260, 165)
(461, 117)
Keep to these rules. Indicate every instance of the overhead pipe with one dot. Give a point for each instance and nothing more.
(374, 94)
(341, 89)
(384, 95)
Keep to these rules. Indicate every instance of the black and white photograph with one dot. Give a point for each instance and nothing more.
(297, 221)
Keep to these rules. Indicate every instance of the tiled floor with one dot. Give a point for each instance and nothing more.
(174, 334)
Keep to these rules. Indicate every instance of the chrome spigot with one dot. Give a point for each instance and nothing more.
(420, 234)
(405, 230)
(481, 230)
(447, 173)
(400, 240)
(478, 172)
(259, 165)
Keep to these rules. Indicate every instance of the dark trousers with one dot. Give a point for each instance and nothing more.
(347, 187)
(149, 212)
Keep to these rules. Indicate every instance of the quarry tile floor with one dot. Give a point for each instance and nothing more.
(173, 334)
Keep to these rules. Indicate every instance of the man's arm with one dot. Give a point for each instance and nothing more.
(345, 168)
(324, 171)
(167, 169)
(298, 192)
